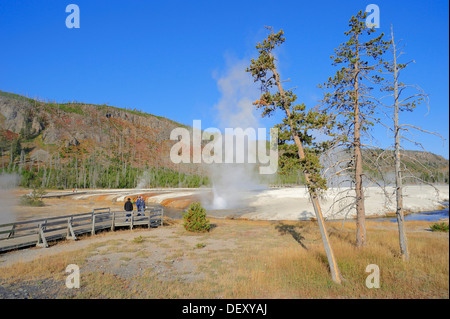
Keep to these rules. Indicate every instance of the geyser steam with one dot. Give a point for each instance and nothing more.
(232, 181)
(7, 199)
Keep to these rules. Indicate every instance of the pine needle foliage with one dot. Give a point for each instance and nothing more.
(195, 219)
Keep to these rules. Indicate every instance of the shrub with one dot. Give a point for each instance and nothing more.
(440, 227)
(195, 219)
(34, 198)
(27, 200)
(138, 240)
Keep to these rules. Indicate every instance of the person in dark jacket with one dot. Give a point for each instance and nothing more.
(128, 205)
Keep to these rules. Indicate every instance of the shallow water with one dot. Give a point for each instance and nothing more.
(431, 216)
(426, 216)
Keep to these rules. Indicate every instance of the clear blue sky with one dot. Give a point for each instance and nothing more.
(165, 57)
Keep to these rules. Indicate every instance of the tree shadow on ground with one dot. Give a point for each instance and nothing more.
(292, 230)
(342, 235)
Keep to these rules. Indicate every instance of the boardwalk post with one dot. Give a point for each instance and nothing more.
(149, 219)
(131, 224)
(13, 230)
(93, 224)
(70, 232)
(162, 217)
(42, 242)
(113, 220)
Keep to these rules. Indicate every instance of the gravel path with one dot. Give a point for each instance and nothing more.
(122, 256)
(27, 255)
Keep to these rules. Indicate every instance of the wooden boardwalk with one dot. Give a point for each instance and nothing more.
(39, 232)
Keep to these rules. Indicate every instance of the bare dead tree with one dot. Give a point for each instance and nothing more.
(403, 100)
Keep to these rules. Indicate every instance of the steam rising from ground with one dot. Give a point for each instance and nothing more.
(232, 182)
(7, 199)
(144, 180)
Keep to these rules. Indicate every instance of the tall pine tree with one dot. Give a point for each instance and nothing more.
(349, 98)
(296, 126)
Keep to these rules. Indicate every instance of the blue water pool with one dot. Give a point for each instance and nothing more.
(432, 216)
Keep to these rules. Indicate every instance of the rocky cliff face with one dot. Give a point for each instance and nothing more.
(78, 130)
(15, 115)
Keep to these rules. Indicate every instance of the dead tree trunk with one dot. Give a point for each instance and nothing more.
(398, 172)
(360, 209)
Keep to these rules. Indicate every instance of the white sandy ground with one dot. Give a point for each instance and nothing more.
(121, 195)
(159, 198)
(294, 203)
(275, 203)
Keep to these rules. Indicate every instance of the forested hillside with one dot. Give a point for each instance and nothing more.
(88, 146)
(417, 166)
(54, 145)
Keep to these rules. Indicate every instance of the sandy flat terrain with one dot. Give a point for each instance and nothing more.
(294, 203)
(268, 204)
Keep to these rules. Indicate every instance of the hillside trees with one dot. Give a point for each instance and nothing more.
(59, 172)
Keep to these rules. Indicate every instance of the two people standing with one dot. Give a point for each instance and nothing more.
(140, 205)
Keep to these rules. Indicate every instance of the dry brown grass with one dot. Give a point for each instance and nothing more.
(255, 259)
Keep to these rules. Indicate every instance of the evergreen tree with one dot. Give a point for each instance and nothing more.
(296, 126)
(351, 101)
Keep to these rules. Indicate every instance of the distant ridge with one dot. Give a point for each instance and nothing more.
(115, 144)
(65, 145)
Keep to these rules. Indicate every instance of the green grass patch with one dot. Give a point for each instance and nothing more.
(442, 227)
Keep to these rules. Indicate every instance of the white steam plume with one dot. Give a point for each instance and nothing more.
(7, 199)
(232, 182)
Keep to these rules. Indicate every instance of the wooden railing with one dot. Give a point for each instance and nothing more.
(39, 232)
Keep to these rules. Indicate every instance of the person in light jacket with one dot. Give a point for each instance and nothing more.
(138, 204)
(142, 204)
